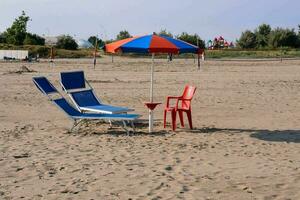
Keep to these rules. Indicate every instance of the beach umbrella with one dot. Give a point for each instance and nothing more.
(152, 44)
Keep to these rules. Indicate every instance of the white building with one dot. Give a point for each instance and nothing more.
(13, 54)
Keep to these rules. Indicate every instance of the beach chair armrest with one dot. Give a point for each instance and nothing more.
(172, 97)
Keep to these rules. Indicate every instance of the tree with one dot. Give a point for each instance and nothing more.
(123, 35)
(298, 45)
(34, 39)
(164, 32)
(66, 42)
(192, 39)
(2, 38)
(17, 32)
(247, 40)
(280, 37)
(92, 40)
(262, 35)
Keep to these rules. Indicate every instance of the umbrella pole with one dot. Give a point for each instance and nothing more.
(198, 61)
(95, 53)
(151, 96)
(151, 86)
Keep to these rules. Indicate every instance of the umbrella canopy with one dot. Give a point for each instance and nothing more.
(151, 44)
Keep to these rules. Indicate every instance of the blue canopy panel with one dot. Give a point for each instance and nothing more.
(183, 47)
(139, 45)
(73, 80)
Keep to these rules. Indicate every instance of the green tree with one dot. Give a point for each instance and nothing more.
(280, 37)
(66, 42)
(123, 35)
(164, 32)
(34, 39)
(192, 39)
(17, 32)
(247, 40)
(262, 35)
(92, 40)
(298, 45)
(2, 38)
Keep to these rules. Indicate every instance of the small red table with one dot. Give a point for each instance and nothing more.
(151, 106)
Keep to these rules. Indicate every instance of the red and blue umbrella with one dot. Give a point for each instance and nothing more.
(152, 44)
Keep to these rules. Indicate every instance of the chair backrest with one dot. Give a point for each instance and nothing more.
(73, 80)
(43, 84)
(187, 96)
(85, 98)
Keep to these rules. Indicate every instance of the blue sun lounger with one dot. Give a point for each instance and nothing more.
(84, 98)
(49, 90)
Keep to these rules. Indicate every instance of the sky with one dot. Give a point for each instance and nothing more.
(106, 18)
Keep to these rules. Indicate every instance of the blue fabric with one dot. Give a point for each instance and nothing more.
(72, 112)
(139, 45)
(87, 101)
(85, 98)
(44, 85)
(65, 106)
(182, 46)
(72, 80)
(106, 108)
(110, 116)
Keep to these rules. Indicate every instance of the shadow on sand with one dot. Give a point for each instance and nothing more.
(262, 134)
(289, 136)
(141, 128)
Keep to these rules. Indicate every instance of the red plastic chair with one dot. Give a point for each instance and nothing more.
(185, 106)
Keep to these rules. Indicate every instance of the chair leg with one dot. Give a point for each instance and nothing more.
(110, 124)
(173, 113)
(73, 126)
(189, 115)
(165, 118)
(77, 123)
(132, 126)
(181, 118)
(125, 128)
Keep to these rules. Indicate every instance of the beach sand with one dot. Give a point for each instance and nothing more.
(245, 143)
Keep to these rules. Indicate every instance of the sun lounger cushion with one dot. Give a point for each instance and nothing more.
(73, 80)
(72, 112)
(85, 98)
(44, 85)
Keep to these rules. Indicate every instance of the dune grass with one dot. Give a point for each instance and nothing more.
(44, 52)
(236, 53)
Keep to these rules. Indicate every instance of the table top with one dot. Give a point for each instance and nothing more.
(152, 105)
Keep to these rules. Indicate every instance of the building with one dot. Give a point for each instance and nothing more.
(13, 54)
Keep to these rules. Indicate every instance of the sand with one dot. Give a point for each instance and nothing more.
(245, 143)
